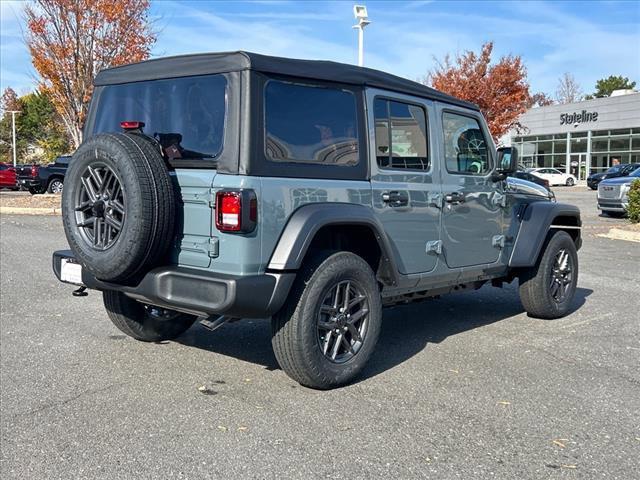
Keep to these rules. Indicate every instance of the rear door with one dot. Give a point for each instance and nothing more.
(405, 195)
(472, 222)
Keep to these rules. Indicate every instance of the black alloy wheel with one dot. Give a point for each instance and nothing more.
(561, 276)
(100, 206)
(342, 321)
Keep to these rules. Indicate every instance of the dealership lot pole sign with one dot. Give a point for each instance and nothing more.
(582, 117)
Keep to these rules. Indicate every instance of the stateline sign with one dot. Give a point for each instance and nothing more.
(582, 117)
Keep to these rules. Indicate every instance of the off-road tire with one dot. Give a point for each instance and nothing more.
(294, 327)
(132, 318)
(535, 288)
(55, 186)
(150, 206)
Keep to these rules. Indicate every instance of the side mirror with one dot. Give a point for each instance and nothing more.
(507, 160)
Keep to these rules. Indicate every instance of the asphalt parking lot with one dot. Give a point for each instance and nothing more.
(465, 386)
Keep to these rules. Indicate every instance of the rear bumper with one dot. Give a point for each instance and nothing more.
(28, 182)
(199, 292)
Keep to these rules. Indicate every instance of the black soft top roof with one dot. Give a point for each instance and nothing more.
(208, 63)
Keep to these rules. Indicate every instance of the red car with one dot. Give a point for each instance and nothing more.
(7, 176)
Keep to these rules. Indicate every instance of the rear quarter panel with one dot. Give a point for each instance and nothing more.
(278, 198)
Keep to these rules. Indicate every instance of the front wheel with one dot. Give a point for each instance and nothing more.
(327, 330)
(570, 182)
(547, 289)
(146, 323)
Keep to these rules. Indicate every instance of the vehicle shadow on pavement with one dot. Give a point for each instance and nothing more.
(406, 330)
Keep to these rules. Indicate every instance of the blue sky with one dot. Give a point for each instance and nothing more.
(589, 39)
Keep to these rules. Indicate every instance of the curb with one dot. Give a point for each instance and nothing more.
(30, 211)
(619, 234)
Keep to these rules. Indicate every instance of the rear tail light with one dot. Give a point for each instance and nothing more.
(236, 211)
(129, 125)
(34, 170)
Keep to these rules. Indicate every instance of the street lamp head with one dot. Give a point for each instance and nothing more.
(360, 12)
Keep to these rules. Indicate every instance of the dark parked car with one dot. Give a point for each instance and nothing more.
(531, 178)
(7, 176)
(616, 171)
(40, 179)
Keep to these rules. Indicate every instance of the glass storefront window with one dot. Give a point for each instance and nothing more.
(560, 146)
(600, 145)
(635, 142)
(619, 143)
(544, 137)
(559, 162)
(579, 145)
(528, 149)
(544, 147)
(622, 131)
(579, 134)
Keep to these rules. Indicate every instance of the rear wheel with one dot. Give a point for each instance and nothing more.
(570, 182)
(547, 289)
(143, 322)
(327, 330)
(55, 186)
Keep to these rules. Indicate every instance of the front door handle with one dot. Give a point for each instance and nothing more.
(454, 198)
(395, 199)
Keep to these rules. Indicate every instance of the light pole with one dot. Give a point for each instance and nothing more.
(13, 129)
(360, 12)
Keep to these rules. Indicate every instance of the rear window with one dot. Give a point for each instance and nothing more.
(310, 124)
(186, 115)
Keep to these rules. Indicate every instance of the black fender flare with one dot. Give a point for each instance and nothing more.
(536, 221)
(307, 220)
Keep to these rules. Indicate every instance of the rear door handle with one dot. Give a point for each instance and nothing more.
(395, 199)
(454, 198)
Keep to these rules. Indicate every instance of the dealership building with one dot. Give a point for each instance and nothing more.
(581, 138)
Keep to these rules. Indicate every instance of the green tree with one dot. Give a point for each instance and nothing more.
(634, 202)
(38, 126)
(605, 86)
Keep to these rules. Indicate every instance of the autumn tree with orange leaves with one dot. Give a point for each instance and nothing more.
(500, 89)
(70, 41)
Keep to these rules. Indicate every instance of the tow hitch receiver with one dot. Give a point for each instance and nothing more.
(80, 292)
(212, 323)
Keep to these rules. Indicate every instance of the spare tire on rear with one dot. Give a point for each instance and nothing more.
(118, 206)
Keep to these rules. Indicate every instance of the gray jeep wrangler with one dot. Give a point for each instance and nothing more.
(223, 186)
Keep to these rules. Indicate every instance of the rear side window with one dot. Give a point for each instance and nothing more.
(465, 147)
(308, 124)
(186, 115)
(401, 135)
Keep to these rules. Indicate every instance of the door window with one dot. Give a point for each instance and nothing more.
(401, 135)
(465, 147)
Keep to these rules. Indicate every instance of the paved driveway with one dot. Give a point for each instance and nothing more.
(466, 386)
